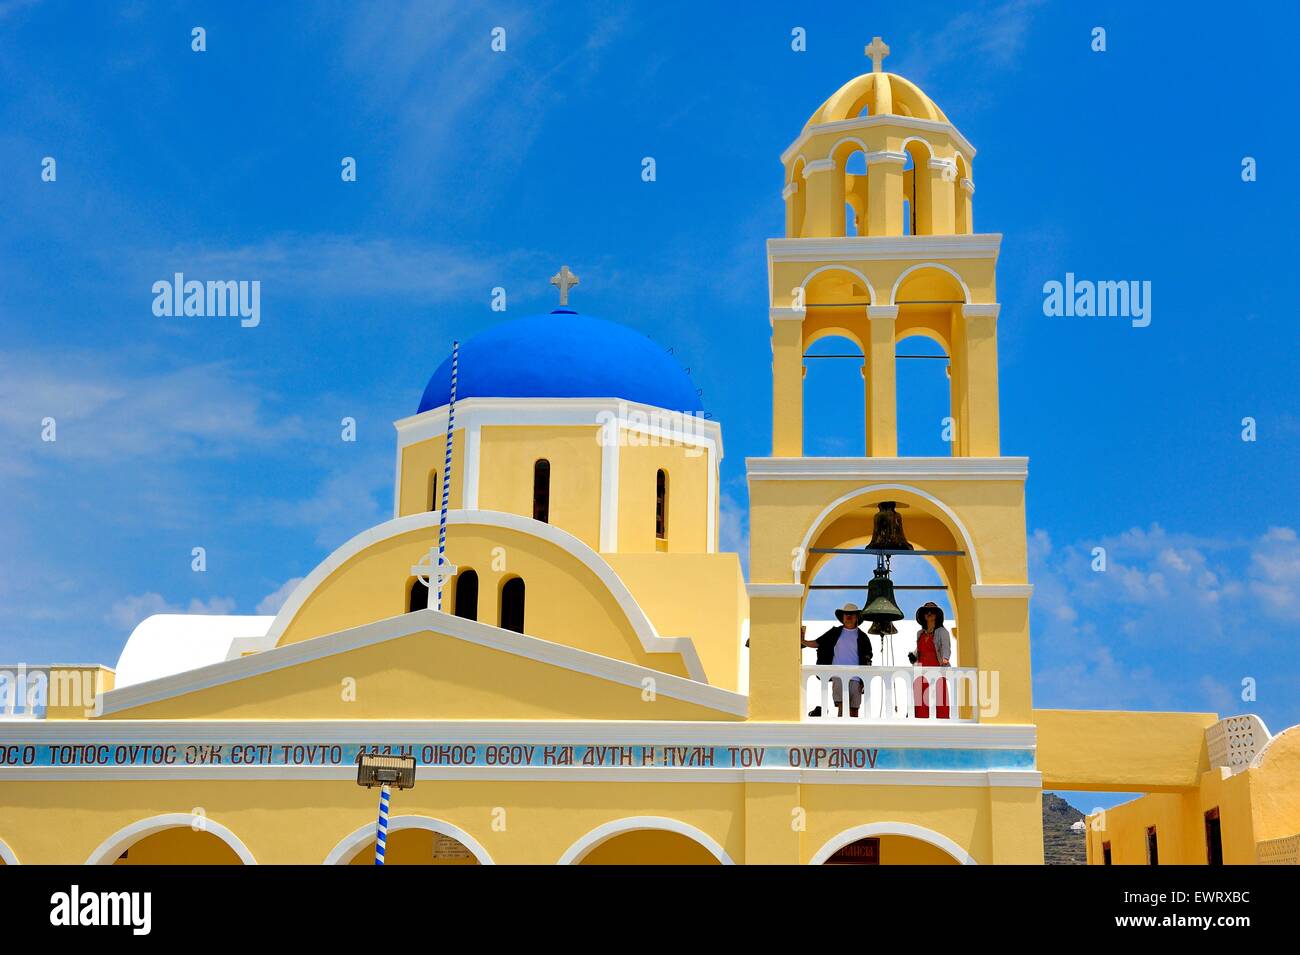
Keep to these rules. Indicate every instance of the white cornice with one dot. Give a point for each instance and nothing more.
(900, 735)
(789, 190)
(878, 312)
(866, 248)
(758, 591)
(911, 469)
(785, 314)
(885, 156)
(818, 165)
(1002, 591)
(969, 186)
(867, 122)
(985, 310)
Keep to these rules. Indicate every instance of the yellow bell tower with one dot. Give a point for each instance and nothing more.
(880, 246)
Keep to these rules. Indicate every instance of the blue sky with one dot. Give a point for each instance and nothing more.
(478, 169)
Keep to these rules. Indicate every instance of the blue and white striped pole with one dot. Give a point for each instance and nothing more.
(381, 835)
(446, 473)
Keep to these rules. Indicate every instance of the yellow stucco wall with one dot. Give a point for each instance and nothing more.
(418, 461)
(506, 459)
(1116, 751)
(688, 496)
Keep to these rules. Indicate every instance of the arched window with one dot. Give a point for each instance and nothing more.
(512, 605)
(417, 596)
(542, 491)
(467, 595)
(661, 505)
(435, 502)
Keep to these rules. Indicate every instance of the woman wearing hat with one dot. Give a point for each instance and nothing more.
(933, 649)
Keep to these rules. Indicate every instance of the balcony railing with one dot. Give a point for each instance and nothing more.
(932, 695)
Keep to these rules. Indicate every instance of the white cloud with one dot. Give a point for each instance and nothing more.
(127, 613)
(272, 602)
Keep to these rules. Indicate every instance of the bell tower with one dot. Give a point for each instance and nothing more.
(879, 246)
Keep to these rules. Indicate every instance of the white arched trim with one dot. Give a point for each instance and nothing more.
(7, 855)
(111, 849)
(893, 293)
(578, 851)
(929, 147)
(354, 842)
(850, 836)
(871, 292)
(830, 153)
(650, 639)
(871, 488)
(792, 178)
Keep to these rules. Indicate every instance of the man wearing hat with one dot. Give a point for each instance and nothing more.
(845, 645)
(933, 649)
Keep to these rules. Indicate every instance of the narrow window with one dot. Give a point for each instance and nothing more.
(467, 595)
(661, 505)
(1105, 853)
(512, 605)
(435, 502)
(1213, 838)
(542, 491)
(1153, 848)
(417, 597)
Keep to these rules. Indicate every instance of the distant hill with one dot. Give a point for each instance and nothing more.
(1061, 844)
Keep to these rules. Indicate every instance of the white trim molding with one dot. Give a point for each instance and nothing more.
(818, 165)
(603, 833)
(111, 849)
(969, 186)
(939, 266)
(785, 314)
(885, 156)
(790, 189)
(882, 312)
(910, 469)
(860, 248)
(692, 690)
(759, 591)
(348, 847)
(1002, 591)
(981, 310)
(910, 830)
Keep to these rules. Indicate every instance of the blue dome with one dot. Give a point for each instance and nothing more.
(564, 355)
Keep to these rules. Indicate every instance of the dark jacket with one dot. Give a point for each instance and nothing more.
(826, 647)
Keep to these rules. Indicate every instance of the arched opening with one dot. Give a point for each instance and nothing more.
(466, 595)
(851, 171)
(412, 840)
(417, 595)
(512, 605)
(172, 839)
(646, 840)
(542, 491)
(926, 424)
(661, 506)
(834, 396)
(435, 502)
(917, 190)
(890, 843)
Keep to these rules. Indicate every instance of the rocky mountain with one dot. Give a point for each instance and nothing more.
(1061, 844)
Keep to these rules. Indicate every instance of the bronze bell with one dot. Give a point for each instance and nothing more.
(887, 528)
(882, 628)
(880, 599)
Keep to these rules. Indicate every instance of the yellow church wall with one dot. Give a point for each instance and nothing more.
(422, 676)
(564, 600)
(1115, 751)
(688, 495)
(301, 822)
(697, 595)
(418, 462)
(507, 455)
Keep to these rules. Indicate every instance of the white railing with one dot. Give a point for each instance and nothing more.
(892, 694)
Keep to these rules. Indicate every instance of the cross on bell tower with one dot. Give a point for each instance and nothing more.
(877, 51)
(564, 280)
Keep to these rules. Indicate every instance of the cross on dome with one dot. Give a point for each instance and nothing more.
(877, 51)
(564, 280)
